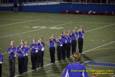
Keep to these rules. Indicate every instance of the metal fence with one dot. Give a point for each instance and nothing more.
(77, 1)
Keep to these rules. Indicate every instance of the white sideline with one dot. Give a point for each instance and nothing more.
(5, 36)
(89, 50)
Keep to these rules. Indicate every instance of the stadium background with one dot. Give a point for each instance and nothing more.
(29, 22)
(60, 6)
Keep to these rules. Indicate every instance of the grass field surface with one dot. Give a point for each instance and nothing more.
(99, 42)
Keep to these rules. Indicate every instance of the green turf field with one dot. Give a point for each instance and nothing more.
(99, 43)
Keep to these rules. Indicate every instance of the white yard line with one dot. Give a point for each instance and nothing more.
(105, 44)
(98, 28)
(5, 25)
(21, 22)
(31, 20)
(89, 50)
(10, 35)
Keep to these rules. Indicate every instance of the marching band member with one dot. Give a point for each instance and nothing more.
(80, 39)
(52, 49)
(26, 52)
(12, 55)
(21, 57)
(73, 38)
(75, 69)
(1, 61)
(68, 45)
(34, 51)
(59, 48)
(64, 40)
(41, 52)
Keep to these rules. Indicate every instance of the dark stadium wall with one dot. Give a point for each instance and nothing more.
(66, 8)
(9, 8)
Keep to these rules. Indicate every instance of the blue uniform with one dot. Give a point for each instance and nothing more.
(1, 61)
(20, 51)
(59, 49)
(73, 36)
(41, 53)
(76, 34)
(34, 56)
(75, 70)
(21, 59)
(80, 40)
(1, 58)
(81, 34)
(64, 39)
(26, 51)
(64, 47)
(69, 40)
(12, 55)
(60, 42)
(68, 46)
(73, 42)
(33, 50)
(52, 50)
(41, 46)
(52, 43)
(12, 52)
(65, 42)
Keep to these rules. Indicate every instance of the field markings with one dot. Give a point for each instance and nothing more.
(86, 50)
(31, 20)
(57, 25)
(89, 50)
(45, 27)
(106, 44)
(9, 35)
(5, 25)
(98, 28)
(21, 22)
